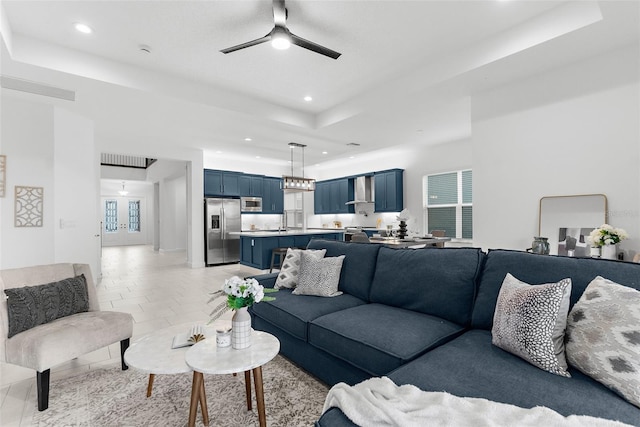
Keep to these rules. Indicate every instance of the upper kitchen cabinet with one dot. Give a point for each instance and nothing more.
(272, 196)
(221, 183)
(388, 191)
(331, 196)
(251, 185)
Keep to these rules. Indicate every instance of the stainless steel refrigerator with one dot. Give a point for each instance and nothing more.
(222, 220)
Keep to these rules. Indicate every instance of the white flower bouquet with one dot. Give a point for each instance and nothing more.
(606, 235)
(240, 293)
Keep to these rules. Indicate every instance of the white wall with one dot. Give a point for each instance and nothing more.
(28, 142)
(76, 186)
(173, 214)
(52, 148)
(572, 131)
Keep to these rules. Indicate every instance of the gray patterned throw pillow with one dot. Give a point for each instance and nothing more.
(30, 306)
(319, 277)
(290, 270)
(603, 336)
(530, 321)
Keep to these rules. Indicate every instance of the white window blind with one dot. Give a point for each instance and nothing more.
(448, 203)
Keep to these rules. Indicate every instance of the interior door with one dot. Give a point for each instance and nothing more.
(123, 221)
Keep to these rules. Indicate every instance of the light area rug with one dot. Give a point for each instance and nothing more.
(112, 397)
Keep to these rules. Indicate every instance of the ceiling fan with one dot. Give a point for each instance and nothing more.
(282, 38)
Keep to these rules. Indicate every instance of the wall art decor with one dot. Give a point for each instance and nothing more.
(3, 174)
(28, 208)
(572, 241)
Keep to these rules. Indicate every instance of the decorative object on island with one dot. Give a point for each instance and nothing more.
(241, 294)
(402, 233)
(607, 238)
(293, 183)
(403, 217)
(540, 245)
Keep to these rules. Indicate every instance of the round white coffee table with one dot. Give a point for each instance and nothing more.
(206, 358)
(152, 353)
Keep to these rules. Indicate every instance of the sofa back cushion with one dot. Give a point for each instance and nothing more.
(537, 269)
(439, 282)
(357, 268)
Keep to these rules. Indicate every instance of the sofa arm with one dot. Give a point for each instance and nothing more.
(266, 280)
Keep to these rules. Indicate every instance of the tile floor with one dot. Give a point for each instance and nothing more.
(158, 289)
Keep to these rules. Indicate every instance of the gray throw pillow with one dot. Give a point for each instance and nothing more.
(30, 306)
(290, 269)
(603, 336)
(319, 277)
(530, 322)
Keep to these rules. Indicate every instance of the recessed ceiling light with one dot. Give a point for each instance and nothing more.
(352, 157)
(257, 157)
(324, 152)
(218, 152)
(308, 98)
(248, 139)
(83, 28)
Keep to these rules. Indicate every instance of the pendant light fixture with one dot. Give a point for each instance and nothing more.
(294, 183)
(123, 192)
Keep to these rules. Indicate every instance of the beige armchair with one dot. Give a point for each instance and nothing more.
(45, 346)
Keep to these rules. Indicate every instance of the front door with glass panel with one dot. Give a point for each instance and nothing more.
(123, 221)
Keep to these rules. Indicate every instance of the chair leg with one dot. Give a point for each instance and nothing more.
(42, 382)
(124, 345)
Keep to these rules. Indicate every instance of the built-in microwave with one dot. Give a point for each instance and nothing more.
(251, 204)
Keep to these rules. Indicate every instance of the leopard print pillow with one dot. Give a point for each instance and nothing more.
(530, 322)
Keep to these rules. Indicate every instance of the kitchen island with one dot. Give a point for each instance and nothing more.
(256, 246)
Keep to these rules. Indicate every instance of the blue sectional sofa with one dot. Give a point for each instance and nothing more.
(424, 317)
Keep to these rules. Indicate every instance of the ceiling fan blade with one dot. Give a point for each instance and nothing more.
(299, 41)
(279, 13)
(247, 44)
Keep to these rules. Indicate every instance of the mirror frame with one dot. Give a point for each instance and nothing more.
(563, 216)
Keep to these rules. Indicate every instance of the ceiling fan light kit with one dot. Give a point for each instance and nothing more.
(281, 38)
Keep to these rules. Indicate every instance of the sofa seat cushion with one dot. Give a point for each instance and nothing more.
(292, 313)
(441, 283)
(396, 337)
(357, 268)
(58, 341)
(470, 366)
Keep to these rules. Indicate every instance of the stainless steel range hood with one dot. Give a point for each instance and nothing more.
(363, 190)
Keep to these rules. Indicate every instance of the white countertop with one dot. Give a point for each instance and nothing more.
(287, 233)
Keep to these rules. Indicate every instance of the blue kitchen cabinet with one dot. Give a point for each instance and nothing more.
(321, 198)
(272, 196)
(331, 196)
(221, 183)
(250, 185)
(388, 191)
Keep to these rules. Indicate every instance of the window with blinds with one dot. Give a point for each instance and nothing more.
(448, 203)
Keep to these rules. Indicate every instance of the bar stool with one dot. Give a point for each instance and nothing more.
(281, 253)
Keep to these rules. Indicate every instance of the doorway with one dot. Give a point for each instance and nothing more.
(124, 221)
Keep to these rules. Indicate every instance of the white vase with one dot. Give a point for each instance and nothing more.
(609, 252)
(241, 329)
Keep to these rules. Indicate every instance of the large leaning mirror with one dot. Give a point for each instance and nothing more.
(567, 221)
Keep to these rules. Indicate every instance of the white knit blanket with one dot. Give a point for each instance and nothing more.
(380, 402)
